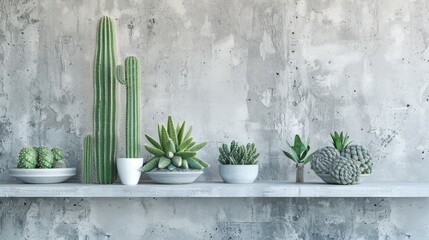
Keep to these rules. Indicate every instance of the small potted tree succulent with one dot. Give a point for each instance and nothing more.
(129, 167)
(299, 154)
(239, 164)
(174, 160)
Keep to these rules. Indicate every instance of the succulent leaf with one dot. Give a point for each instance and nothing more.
(150, 165)
(153, 141)
(155, 151)
(163, 162)
(172, 131)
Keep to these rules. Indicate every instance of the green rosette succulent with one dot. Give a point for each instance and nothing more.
(345, 172)
(58, 153)
(27, 158)
(238, 154)
(175, 149)
(323, 159)
(361, 156)
(46, 158)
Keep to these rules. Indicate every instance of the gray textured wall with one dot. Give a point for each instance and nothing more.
(248, 70)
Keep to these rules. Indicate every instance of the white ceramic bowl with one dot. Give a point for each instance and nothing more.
(238, 173)
(42, 175)
(174, 177)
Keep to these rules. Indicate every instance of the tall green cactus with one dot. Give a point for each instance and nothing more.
(87, 157)
(105, 117)
(131, 79)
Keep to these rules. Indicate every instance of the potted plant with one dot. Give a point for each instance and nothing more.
(299, 154)
(174, 160)
(42, 165)
(129, 167)
(342, 164)
(238, 164)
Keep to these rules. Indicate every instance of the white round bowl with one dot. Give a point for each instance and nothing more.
(42, 175)
(129, 170)
(238, 173)
(174, 177)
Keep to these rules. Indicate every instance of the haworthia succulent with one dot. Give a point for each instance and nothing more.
(87, 159)
(131, 79)
(174, 149)
(105, 115)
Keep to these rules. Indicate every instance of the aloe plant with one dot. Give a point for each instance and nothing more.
(340, 140)
(300, 155)
(175, 149)
(131, 79)
(105, 114)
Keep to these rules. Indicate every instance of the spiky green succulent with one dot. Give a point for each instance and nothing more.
(238, 154)
(345, 172)
(46, 158)
(360, 156)
(340, 140)
(175, 149)
(58, 153)
(323, 158)
(299, 151)
(27, 158)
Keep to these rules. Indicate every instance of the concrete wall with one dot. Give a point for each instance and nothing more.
(256, 71)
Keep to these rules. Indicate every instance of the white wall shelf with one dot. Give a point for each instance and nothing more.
(219, 190)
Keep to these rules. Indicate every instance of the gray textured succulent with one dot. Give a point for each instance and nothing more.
(345, 172)
(322, 160)
(361, 156)
(238, 155)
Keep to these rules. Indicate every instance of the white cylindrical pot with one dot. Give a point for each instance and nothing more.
(238, 173)
(129, 170)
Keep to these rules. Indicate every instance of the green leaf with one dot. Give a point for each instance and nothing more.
(170, 146)
(188, 134)
(184, 144)
(155, 151)
(164, 162)
(194, 164)
(289, 156)
(164, 138)
(180, 133)
(186, 155)
(177, 160)
(150, 165)
(172, 131)
(201, 162)
(197, 147)
(309, 158)
(153, 141)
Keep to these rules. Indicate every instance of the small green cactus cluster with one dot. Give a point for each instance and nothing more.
(175, 149)
(41, 157)
(343, 162)
(238, 154)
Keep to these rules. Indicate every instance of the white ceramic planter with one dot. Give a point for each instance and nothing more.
(129, 170)
(174, 177)
(238, 173)
(42, 175)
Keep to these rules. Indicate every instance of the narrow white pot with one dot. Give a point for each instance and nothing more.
(238, 173)
(129, 170)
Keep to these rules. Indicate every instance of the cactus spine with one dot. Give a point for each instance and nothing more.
(105, 117)
(87, 157)
(131, 79)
